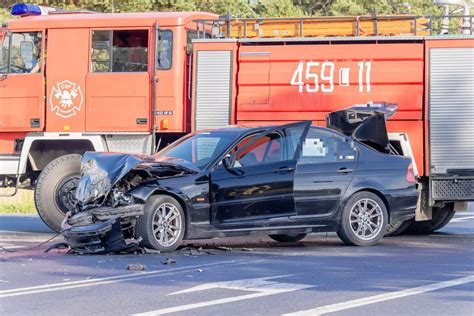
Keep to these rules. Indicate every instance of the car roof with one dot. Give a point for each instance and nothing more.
(242, 129)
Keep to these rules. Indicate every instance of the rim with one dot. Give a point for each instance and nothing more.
(166, 224)
(65, 194)
(366, 219)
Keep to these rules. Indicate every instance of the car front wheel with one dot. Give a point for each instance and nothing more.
(162, 225)
(364, 220)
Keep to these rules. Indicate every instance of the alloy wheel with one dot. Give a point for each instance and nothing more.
(166, 224)
(366, 219)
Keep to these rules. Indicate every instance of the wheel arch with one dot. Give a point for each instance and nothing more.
(177, 197)
(39, 149)
(379, 194)
(43, 152)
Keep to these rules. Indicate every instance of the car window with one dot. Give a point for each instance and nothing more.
(165, 52)
(21, 53)
(322, 146)
(119, 51)
(266, 149)
(200, 148)
(276, 146)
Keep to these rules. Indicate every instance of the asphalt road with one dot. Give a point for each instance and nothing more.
(408, 275)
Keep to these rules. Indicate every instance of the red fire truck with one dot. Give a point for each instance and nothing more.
(81, 81)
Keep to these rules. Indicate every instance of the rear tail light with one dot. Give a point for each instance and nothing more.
(411, 174)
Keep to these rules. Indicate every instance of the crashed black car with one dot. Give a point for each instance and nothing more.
(286, 181)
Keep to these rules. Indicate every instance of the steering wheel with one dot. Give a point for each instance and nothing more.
(23, 70)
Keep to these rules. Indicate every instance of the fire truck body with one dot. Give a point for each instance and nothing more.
(134, 82)
(431, 80)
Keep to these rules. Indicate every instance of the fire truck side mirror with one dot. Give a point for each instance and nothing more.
(26, 50)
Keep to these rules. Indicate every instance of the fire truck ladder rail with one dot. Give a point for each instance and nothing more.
(390, 25)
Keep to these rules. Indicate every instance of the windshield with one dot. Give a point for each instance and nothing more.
(200, 148)
(4, 42)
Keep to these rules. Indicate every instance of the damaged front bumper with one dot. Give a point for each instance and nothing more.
(102, 229)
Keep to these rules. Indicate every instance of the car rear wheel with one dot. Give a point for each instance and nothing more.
(287, 238)
(364, 220)
(55, 188)
(441, 217)
(162, 225)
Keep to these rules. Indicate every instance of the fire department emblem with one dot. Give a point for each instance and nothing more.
(66, 99)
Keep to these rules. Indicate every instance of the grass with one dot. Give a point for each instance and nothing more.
(22, 202)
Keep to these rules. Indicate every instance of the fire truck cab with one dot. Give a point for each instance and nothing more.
(78, 81)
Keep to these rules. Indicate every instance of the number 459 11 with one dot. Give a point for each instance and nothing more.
(320, 76)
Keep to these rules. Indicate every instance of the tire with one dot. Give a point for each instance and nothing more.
(287, 238)
(54, 192)
(150, 220)
(356, 225)
(441, 217)
(398, 228)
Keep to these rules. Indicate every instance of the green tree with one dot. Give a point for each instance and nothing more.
(277, 8)
(364, 7)
(244, 8)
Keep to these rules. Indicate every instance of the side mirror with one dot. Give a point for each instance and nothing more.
(26, 51)
(229, 161)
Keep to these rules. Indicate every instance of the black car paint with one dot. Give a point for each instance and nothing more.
(210, 219)
(222, 201)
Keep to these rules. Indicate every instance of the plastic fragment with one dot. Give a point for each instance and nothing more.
(169, 261)
(151, 251)
(223, 248)
(192, 251)
(136, 267)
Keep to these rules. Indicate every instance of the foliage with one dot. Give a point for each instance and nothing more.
(22, 202)
(248, 8)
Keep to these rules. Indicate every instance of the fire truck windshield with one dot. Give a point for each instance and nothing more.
(4, 39)
(21, 53)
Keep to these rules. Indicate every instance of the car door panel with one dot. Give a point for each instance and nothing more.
(319, 188)
(260, 182)
(323, 176)
(258, 191)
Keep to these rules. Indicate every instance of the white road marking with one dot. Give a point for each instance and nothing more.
(461, 219)
(114, 279)
(382, 297)
(262, 286)
(10, 247)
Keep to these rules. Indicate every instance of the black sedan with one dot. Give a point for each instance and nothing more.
(286, 181)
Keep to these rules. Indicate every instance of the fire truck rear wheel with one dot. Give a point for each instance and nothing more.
(397, 228)
(54, 192)
(441, 217)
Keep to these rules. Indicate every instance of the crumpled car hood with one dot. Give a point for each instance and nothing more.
(100, 171)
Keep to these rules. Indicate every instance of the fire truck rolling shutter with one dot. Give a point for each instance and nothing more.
(451, 109)
(213, 89)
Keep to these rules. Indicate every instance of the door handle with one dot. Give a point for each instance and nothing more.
(344, 170)
(285, 169)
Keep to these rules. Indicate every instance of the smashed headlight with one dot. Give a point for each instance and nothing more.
(94, 183)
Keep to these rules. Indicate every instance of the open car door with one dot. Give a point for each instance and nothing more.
(255, 182)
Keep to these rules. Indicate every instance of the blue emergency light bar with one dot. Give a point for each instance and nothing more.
(23, 9)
